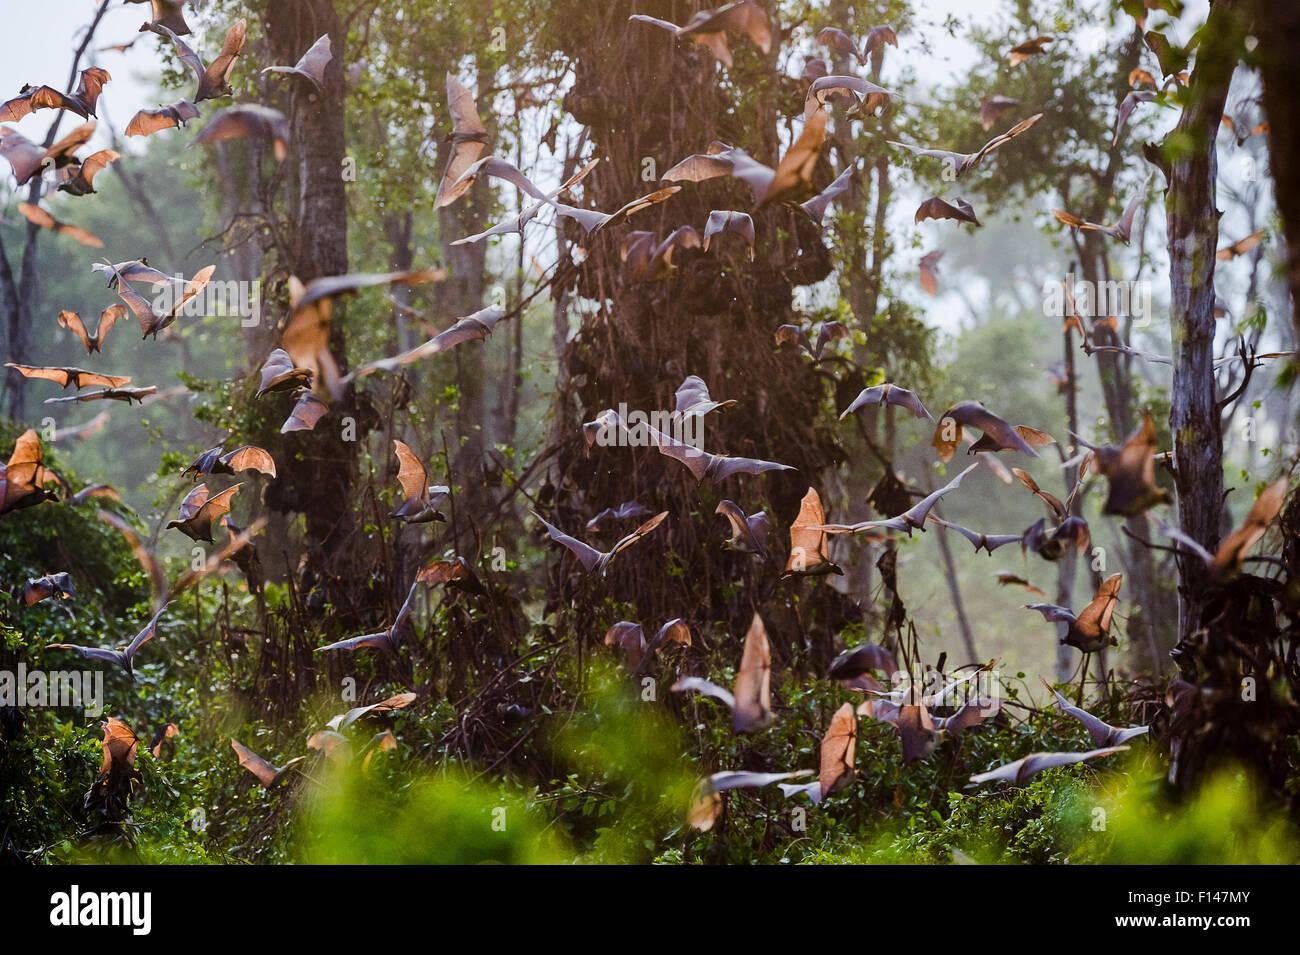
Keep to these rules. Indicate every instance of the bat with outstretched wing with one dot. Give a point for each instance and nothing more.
(815, 208)
(914, 518)
(107, 319)
(751, 704)
(420, 502)
(1102, 733)
(146, 122)
(389, 639)
(861, 94)
(1089, 631)
(65, 376)
(121, 656)
(247, 121)
(706, 798)
(709, 28)
(218, 461)
(1131, 471)
(468, 140)
(213, 79)
(267, 773)
(279, 373)
(81, 101)
(888, 394)
(998, 435)
(306, 413)
(808, 556)
(108, 394)
(198, 511)
(78, 178)
(961, 163)
(24, 476)
(1029, 48)
(982, 542)
(748, 532)
(936, 208)
(592, 560)
(38, 216)
(311, 65)
(1022, 770)
(1121, 231)
(37, 589)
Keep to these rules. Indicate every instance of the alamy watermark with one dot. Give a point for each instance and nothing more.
(59, 689)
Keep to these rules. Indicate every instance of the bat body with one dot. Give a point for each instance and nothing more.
(420, 503)
(146, 122)
(913, 518)
(1090, 630)
(213, 79)
(1131, 471)
(468, 140)
(852, 668)
(279, 373)
(1122, 231)
(249, 121)
(121, 656)
(992, 107)
(24, 476)
(81, 101)
(936, 208)
(693, 400)
(198, 511)
(861, 94)
(457, 573)
(723, 221)
(78, 178)
(592, 560)
(630, 638)
(65, 376)
(929, 270)
(246, 458)
(998, 434)
(108, 394)
(748, 533)
(1029, 48)
(982, 542)
(751, 704)
(153, 319)
(311, 65)
(838, 749)
(827, 332)
(51, 585)
(888, 394)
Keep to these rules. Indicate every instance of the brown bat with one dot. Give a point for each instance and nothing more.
(920, 732)
(468, 140)
(986, 542)
(706, 798)
(51, 585)
(838, 748)
(279, 373)
(81, 432)
(630, 638)
(137, 270)
(107, 319)
(24, 476)
(391, 705)
(82, 101)
(827, 332)
(78, 179)
(929, 270)
(815, 208)
(751, 705)
(249, 121)
(123, 656)
(165, 732)
(307, 412)
(1121, 231)
(38, 216)
(648, 260)
(246, 458)
(108, 394)
(852, 668)
(709, 28)
(1023, 51)
(748, 532)
(389, 639)
(1241, 129)
(888, 394)
(420, 502)
(77, 377)
(1129, 103)
(311, 65)
(268, 774)
(120, 748)
(961, 163)
(861, 94)
(471, 328)
(792, 178)
(593, 220)
(1131, 469)
(839, 41)
(1102, 733)
(1071, 532)
(913, 518)
(1227, 560)
(998, 434)
(992, 108)
(624, 512)
(1240, 247)
(693, 400)
(936, 208)
(166, 13)
(1007, 579)
(457, 573)
(808, 544)
(814, 69)
(593, 560)
(152, 319)
(1022, 770)
(1051, 500)
(198, 511)
(1090, 630)
(146, 122)
(714, 468)
(27, 158)
(722, 221)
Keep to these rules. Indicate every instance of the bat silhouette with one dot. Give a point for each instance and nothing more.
(1241, 128)
(807, 542)
(1122, 231)
(1228, 558)
(24, 476)
(751, 705)
(146, 122)
(78, 178)
(1240, 247)
(81, 101)
(51, 585)
(913, 518)
(391, 705)
(693, 400)
(815, 208)
(311, 65)
(468, 140)
(1102, 733)
(1021, 770)
(268, 774)
(214, 79)
(826, 333)
(198, 511)
(998, 435)
(279, 373)
(420, 502)
(1131, 470)
(992, 108)
(715, 468)
(861, 94)
(814, 69)
(709, 28)
(593, 560)
(936, 208)
(1090, 630)
(1130, 102)
(77, 377)
(108, 394)
(723, 221)
(152, 319)
(748, 533)
(592, 220)
(1071, 532)
(985, 542)
(962, 163)
(706, 798)
(1030, 48)
(888, 394)
(630, 638)
(107, 319)
(625, 511)
(307, 411)
(929, 270)
(246, 458)
(1008, 579)
(121, 656)
(389, 639)
(248, 121)
(38, 216)
(515, 224)
(852, 668)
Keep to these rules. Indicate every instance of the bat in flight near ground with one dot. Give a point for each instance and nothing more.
(108, 394)
(311, 65)
(709, 28)
(637, 651)
(214, 79)
(1090, 630)
(38, 216)
(1022, 770)
(1131, 470)
(420, 502)
(913, 518)
(121, 656)
(748, 532)
(888, 394)
(51, 585)
(1121, 231)
(827, 332)
(268, 774)
(1102, 733)
(246, 458)
(146, 122)
(962, 163)
(81, 101)
(1227, 560)
(751, 704)
(935, 208)
(390, 705)
(24, 476)
(706, 799)
(77, 377)
(107, 319)
(389, 639)
(248, 121)
(998, 434)
(808, 556)
(592, 560)
(198, 511)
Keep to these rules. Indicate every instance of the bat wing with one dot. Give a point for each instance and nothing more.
(1035, 763)
(250, 458)
(704, 687)
(1100, 731)
(794, 335)
(972, 713)
(91, 653)
(305, 414)
(807, 543)
(216, 506)
(588, 556)
(753, 709)
(60, 376)
(279, 373)
(1052, 502)
(974, 537)
(193, 502)
(374, 640)
(1053, 613)
(1262, 513)
(1094, 620)
(635, 536)
(828, 332)
(794, 172)
(411, 473)
(145, 635)
(249, 121)
(266, 774)
(838, 749)
(916, 731)
(915, 516)
(72, 322)
(699, 167)
(816, 206)
(1009, 772)
(895, 395)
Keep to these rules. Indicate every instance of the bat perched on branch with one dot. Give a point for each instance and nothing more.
(1030, 48)
(1022, 770)
(593, 560)
(1227, 560)
(268, 774)
(107, 319)
(827, 332)
(198, 511)
(121, 656)
(913, 518)
(1090, 630)
(1131, 470)
(748, 533)
(24, 476)
(706, 798)
(709, 28)
(962, 163)
(249, 121)
(246, 458)
(81, 101)
(807, 543)
(1122, 231)
(998, 434)
(1102, 733)
(420, 502)
(108, 394)
(468, 140)
(77, 377)
(51, 585)
(311, 65)
(888, 394)
(38, 216)
(861, 94)
(936, 208)
(751, 704)
(146, 122)
(389, 639)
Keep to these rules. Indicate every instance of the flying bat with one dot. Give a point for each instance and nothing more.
(120, 748)
(1102, 733)
(246, 458)
(748, 533)
(625, 511)
(388, 639)
(77, 377)
(992, 108)
(920, 731)
(1090, 630)
(962, 163)
(1240, 247)
(1072, 532)
(638, 652)
(693, 400)
(838, 748)
(198, 511)
(709, 28)
(807, 542)
(929, 270)
(136, 270)
(722, 221)
(648, 260)
(107, 319)
(311, 65)
(121, 656)
(1130, 102)
(108, 394)
(853, 667)
(456, 572)
(593, 560)
(391, 705)
(1131, 470)
(146, 122)
(998, 434)
(153, 319)
(38, 216)
(706, 798)
(51, 585)
(1021, 770)
(986, 542)
(420, 502)
(81, 432)
(268, 774)
(248, 121)
(166, 13)
(936, 208)
(24, 476)
(815, 208)
(861, 94)
(827, 332)
(27, 158)
(306, 412)
(468, 140)
(471, 328)
(78, 178)
(839, 41)
(279, 373)
(888, 394)
(1227, 560)
(81, 101)
(214, 79)
(1121, 231)
(913, 518)
(751, 704)
(1030, 48)
(1008, 579)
